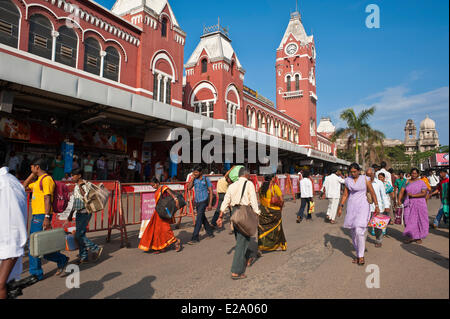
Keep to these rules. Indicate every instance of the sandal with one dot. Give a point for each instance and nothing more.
(378, 245)
(354, 260)
(243, 276)
(409, 241)
(419, 241)
(178, 246)
(361, 261)
(332, 222)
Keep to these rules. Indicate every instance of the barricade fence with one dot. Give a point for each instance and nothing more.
(134, 203)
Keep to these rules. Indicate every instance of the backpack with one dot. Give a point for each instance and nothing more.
(61, 195)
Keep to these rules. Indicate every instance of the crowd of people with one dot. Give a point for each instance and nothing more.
(365, 195)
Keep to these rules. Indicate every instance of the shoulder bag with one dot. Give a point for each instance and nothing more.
(244, 219)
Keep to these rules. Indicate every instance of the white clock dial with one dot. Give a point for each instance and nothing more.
(291, 49)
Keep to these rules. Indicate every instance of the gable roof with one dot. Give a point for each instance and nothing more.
(122, 7)
(295, 27)
(217, 46)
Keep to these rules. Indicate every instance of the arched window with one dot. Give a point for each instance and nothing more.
(164, 28)
(232, 68)
(111, 64)
(249, 117)
(40, 39)
(204, 65)
(288, 85)
(66, 47)
(92, 59)
(297, 82)
(9, 23)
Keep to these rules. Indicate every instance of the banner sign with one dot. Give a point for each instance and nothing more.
(67, 153)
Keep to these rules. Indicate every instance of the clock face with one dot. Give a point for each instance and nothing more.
(291, 49)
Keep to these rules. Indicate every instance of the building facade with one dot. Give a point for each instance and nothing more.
(120, 72)
(427, 140)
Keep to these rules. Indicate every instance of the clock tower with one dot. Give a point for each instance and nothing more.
(296, 79)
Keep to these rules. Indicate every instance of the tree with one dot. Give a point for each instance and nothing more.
(356, 127)
(374, 138)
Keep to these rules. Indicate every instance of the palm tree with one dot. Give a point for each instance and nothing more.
(374, 138)
(356, 126)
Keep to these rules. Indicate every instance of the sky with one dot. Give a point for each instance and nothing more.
(401, 68)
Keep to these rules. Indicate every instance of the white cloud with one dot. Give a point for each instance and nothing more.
(395, 105)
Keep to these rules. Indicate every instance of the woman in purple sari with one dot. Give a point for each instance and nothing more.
(358, 209)
(416, 210)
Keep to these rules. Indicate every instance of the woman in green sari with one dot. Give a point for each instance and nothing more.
(58, 168)
(270, 229)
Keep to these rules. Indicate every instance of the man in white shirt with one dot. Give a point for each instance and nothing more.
(306, 194)
(383, 202)
(13, 228)
(159, 170)
(234, 198)
(383, 170)
(332, 186)
(434, 181)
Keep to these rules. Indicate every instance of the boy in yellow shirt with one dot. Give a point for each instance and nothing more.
(41, 204)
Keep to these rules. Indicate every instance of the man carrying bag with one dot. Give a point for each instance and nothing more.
(241, 197)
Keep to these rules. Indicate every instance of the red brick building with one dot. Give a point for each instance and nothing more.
(67, 62)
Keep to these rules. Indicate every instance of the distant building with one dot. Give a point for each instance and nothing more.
(428, 137)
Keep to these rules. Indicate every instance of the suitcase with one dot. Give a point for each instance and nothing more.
(47, 242)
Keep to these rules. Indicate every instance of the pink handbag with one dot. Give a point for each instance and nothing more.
(380, 221)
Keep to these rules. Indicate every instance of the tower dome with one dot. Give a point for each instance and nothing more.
(427, 124)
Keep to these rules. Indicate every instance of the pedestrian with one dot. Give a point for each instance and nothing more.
(102, 171)
(159, 170)
(383, 201)
(358, 209)
(88, 167)
(58, 168)
(13, 163)
(131, 169)
(158, 234)
(306, 194)
(67, 178)
(25, 167)
(424, 178)
(434, 182)
(41, 206)
(399, 184)
(138, 173)
(416, 210)
(222, 187)
(82, 218)
(13, 229)
(240, 193)
(332, 186)
(442, 190)
(75, 164)
(203, 202)
(147, 171)
(270, 230)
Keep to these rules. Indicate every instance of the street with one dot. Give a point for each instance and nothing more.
(317, 264)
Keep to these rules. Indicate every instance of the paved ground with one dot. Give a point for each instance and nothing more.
(317, 264)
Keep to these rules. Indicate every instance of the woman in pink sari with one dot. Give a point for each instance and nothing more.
(416, 210)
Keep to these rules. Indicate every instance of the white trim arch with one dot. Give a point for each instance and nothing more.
(203, 85)
(168, 18)
(40, 6)
(164, 56)
(233, 88)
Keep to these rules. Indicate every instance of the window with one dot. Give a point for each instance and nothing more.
(204, 66)
(92, 59)
(168, 91)
(232, 68)
(155, 86)
(161, 89)
(297, 82)
(9, 23)
(231, 113)
(111, 64)
(288, 85)
(66, 47)
(40, 38)
(164, 28)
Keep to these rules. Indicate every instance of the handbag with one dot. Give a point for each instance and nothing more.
(96, 199)
(244, 219)
(166, 207)
(380, 221)
(275, 200)
(369, 198)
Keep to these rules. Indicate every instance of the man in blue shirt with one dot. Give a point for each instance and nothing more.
(203, 200)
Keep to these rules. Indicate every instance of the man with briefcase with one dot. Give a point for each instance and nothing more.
(42, 189)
